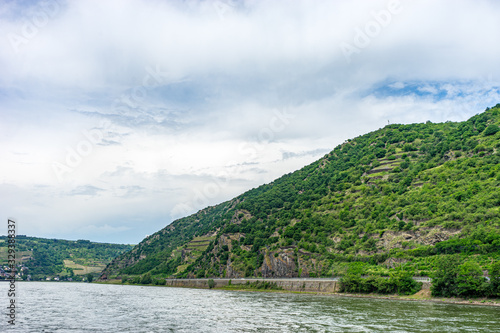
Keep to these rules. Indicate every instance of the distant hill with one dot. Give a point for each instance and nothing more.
(401, 196)
(51, 258)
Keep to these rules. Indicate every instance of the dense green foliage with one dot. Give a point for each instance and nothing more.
(399, 282)
(45, 257)
(495, 279)
(404, 195)
(459, 277)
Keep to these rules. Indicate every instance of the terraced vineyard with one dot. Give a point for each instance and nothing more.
(79, 269)
(191, 251)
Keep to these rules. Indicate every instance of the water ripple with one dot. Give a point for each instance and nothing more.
(78, 307)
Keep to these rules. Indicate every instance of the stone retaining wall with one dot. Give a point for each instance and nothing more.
(325, 286)
(319, 285)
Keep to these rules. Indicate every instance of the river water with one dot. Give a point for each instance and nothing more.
(79, 307)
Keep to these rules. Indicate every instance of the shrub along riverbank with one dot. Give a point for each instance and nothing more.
(457, 278)
(400, 282)
(454, 277)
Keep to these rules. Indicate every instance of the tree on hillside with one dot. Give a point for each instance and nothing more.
(444, 280)
(146, 279)
(495, 279)
(492, 129)
(470, 281)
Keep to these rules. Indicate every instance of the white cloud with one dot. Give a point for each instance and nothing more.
(397, 85)
(182, 98)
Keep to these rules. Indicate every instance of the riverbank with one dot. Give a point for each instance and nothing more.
(421, 296)
(425, 296)
(326, 287)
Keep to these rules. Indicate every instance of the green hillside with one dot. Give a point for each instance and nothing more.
(43, 258)
(403, 198)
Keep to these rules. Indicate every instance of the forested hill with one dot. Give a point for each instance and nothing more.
(404, 195)
(42, 258)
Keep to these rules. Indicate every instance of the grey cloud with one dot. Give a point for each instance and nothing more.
(86, 190)
(106, 142)
(255, 171)
(288, 154)
(118, 172)
(147, 118)
(132, 191)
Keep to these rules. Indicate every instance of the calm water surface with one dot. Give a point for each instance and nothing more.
(78, 307)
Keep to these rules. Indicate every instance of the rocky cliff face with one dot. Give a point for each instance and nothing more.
(282, 264)
(424, 236)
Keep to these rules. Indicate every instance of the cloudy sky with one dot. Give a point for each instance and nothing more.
(119, 116)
